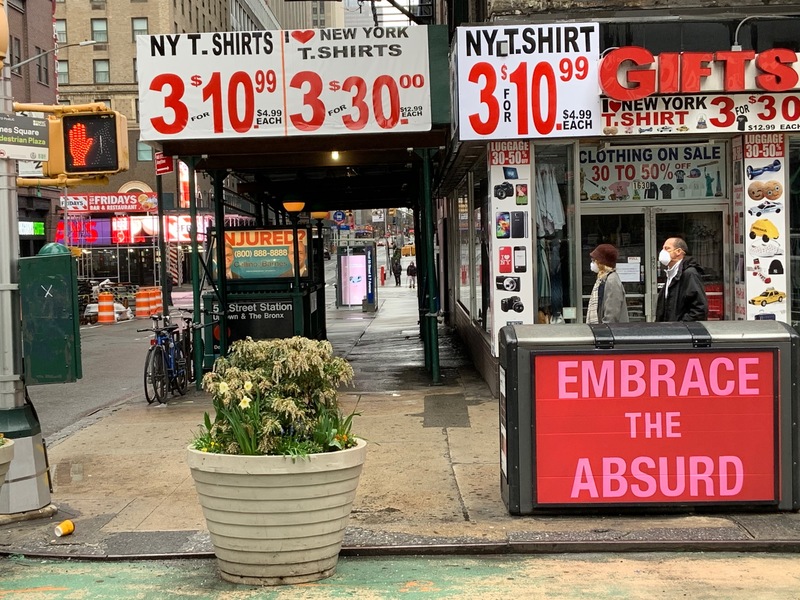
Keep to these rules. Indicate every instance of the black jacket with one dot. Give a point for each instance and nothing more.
(686, 300)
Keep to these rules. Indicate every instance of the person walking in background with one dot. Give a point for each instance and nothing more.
(412, 275)
(397, 270)
(683, 297)
(607, 303)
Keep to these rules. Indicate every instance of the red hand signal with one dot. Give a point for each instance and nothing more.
(79, 145)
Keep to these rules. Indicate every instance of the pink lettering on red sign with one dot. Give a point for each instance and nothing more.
(660, 427)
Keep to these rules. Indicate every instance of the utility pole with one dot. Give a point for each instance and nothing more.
(28, 471)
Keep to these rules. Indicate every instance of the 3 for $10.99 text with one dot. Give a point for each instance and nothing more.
(535, 96)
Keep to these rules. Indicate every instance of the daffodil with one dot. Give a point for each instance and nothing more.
(245, 402)
(223, 388)
(248, 386)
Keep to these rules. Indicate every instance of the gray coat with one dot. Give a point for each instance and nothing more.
(611, 304)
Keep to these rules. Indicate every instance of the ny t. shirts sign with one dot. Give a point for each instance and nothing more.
(656, 428)
(528, 81)
(284, 83)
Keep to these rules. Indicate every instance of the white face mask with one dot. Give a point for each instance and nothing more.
(663, 257)
(594, 267)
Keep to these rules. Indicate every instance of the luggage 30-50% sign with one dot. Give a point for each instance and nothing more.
(528, 81)
(274, 84)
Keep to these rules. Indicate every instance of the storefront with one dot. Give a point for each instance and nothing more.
(115, 236)
(628, 134)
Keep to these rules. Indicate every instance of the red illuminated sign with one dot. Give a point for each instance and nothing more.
(632, 72)
(665, 427)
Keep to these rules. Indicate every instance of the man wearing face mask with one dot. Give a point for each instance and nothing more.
(683, 297)
(607, 303)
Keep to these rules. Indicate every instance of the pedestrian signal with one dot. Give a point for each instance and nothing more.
(92, 143)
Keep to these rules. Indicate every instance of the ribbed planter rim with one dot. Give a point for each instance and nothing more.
(312, 463)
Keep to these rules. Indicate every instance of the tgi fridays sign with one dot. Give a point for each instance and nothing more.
(728, 91)
(653, 173)
(131, 202)
(655, 428)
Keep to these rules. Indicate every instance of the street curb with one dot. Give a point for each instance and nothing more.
(488, 549)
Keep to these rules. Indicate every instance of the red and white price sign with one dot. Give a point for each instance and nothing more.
(524, 81)
(284, 83)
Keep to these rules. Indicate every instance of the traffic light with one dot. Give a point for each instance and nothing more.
(91, 143)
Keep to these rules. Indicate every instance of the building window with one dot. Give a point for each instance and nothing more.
(61, 31)
(102, 71)
(139, 26)
(16, 53)
(106, 101)
(144, 153)
(42, 66)
(100, 31)
(136, 109)
(135, 75)
(62, 68)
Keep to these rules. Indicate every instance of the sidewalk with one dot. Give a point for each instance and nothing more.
(430, 483)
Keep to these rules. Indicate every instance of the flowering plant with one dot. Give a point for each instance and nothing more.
(277, 397)
(2, 440)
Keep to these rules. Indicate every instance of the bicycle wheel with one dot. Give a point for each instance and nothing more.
(180, 376)
(150, 392)
(159, 377)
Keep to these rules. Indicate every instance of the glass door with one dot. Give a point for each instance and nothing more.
(628, 233)
(706, 239)
(638, 233)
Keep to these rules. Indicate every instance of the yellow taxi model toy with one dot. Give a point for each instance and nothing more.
(768, 296)
(765, 229)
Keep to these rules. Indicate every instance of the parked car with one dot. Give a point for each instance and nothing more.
(409, 250)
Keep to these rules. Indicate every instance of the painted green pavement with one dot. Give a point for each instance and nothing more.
(630, 576)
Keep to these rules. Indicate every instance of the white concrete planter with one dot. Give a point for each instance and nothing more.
(6, 455)
(274, 519)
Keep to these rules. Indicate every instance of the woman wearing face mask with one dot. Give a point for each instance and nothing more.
(683, 296)
(607, 303)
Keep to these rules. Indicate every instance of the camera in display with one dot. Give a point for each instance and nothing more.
(503, 190)
(509, 284)
(513, 303)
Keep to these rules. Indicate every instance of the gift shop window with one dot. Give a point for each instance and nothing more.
(554, 191)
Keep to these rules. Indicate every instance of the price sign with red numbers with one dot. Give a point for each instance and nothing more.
(284, 83)
(528, 81)
(702, 113)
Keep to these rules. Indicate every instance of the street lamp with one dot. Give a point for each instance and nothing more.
(16, 66)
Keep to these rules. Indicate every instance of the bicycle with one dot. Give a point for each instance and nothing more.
(165, 364)
(188, 340)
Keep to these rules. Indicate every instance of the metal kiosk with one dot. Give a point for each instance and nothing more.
(649, 416)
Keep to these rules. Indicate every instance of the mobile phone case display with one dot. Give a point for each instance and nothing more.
(765, 227)
(510, 241)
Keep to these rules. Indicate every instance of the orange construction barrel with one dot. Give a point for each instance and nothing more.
(155, 300)
(142, 304)
(105, 308)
